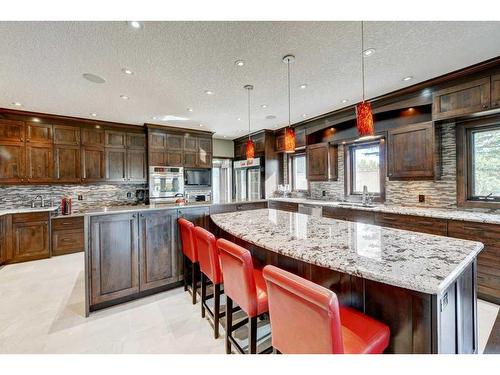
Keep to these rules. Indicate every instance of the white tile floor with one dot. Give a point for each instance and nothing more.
(42, 311)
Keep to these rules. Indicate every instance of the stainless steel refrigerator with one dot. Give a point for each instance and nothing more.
(247, 179)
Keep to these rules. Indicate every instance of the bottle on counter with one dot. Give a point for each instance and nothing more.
(66, 205)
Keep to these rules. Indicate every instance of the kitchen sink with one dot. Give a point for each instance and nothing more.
(353, 204)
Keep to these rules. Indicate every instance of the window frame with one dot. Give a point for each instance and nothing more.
(349, 172)
(464, 132)
(291, 170)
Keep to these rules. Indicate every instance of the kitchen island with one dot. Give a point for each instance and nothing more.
(423, 286)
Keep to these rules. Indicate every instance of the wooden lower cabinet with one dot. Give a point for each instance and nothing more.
(157, 249)
(67, 235)
(347, 214)
(30, 237)
(284, 206)
(3, 239)
(412, 223)
(114, 253)
(197, 215)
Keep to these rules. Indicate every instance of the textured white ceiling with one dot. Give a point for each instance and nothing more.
(41, 66)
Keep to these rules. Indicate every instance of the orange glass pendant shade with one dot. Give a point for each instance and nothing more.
(289, 140)
(250, 149)
(364, 120)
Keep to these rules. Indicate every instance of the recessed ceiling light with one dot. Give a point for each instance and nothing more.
(127, 71)
(135, 24)
(303, 86)
(93, 78)
(201, 125)
(17, 104)
(239, 63)
(344, 101)
(239, 119)
(304, 115)
(225, 136)
(369, 51)
(264, 106)
(36, 119)
(93, 114)
(190, 109)
(169, 118)
(209, 92)
(124, 97)
(407, 78)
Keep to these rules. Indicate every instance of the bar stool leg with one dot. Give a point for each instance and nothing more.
(216, 310)
(193, 282)
(184, 272)
(203, 294)
(252, 344)
(229, 323)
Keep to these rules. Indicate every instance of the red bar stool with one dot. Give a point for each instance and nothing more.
(211, 270)
(190, 255)
(244, 285)
(306, 319)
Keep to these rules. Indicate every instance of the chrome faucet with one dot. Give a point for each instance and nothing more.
(33, 202)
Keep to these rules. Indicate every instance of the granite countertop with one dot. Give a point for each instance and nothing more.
(439, 213)
(23, 210)
(421, 262)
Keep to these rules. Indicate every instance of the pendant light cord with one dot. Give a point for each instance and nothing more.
(363, 58)
(248, 113)
(289, 100)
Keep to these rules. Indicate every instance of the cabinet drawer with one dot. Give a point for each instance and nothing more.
(251, 206)
(347, 214)
(67, 241)
(489, 234)
(30, 216)
(284, 206)
(62, 223)
(412, 223)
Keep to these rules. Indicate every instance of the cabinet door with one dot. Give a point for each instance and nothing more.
(114, 257)
(197, 215)
(92, 137)
(39, 162)
(317, 162)
(66, 135)
(136, 165)
(67, 163)
(158, 252)
(158, 158)
(30, 240)
(115, 139)
(205, 145)
(495, 91)
(190, 143)
(462, 99)
(93, 164)
(11, 130)
(157, 140)
(174, 158)
(175, 142)
(3, 239)
(300, 138)
(136, 141)
(280, 142)
(12, 162)
(204, 160)
(411, 151)
(116, 164)
(38, 133)
(260, 143)
(190, 159)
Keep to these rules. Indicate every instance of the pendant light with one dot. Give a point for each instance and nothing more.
(289, 132)
(250, 145)
(364, 115)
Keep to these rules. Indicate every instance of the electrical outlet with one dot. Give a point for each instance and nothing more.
(323, 193)
(80, 197)
(421, 198)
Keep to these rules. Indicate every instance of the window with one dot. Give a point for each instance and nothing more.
(299, 172)
(365, 167)
(485, 164)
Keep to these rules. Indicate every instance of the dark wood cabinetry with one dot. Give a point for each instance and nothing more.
(322, 162)
(284, 206)
(348, 214)
(116, 164)
(125, 157)
(12, 131)
(39, 162)
(136, 165)
(411, 151)
(38, 133)
(158, 249)
(300, 139)
(3, 239)
(114, 257)
(30, 236)
(462, 99)
(66, 135)
(136, 141)
(12, 162)
(495, 91)
(93, 164)
(67, 164)
(115, 139)
(92, 137)
(67, 235)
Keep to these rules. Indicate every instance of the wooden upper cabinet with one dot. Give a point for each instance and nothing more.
(495, 91)
(12, 162)
(411, 151)
(462, 99)
(66, 135)
(260, 143)
(115, 139)
(38, 133)
(321, 162)
(157, 158)
(205, 145)
(175, 142)
(67, 163)
(157, 140)
(174, 158)
(13, 131)
(190, 143)
(93, 164)
(136, 166)
(92, 137)
(39, 162)
(300, 138)
(280, 142)
(136, 141)
(190, 159)
(204, 159)
(116, 164)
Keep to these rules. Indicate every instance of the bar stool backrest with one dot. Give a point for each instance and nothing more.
(304, 316)
(207, 254)
(187, 239)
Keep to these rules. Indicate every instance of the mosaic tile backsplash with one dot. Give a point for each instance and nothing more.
(93, 195)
